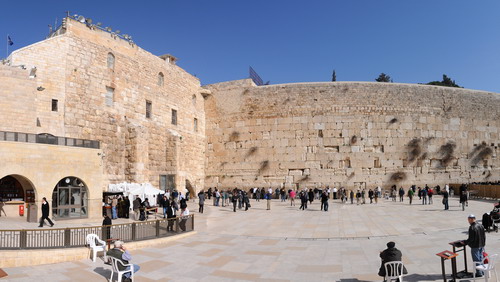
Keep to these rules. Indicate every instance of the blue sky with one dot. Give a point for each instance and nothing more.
(295, 41)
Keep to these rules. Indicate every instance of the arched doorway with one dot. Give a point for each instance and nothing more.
(16, 188)
(69, 199)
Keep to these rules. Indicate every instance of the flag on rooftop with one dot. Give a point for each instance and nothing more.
(9, 41)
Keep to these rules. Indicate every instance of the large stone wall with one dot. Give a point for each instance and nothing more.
(72, 68)
(352, 134)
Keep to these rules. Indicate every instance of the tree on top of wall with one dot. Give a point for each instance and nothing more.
(448, 82)
(383, 78)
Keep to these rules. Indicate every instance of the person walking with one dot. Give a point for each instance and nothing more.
(303, 200)
(201, 201)
(45, 213)
(476, 241)
(410, 195)
(463, 199)
(401, 194)
(351, 196)
(377, 195)
(445, 200)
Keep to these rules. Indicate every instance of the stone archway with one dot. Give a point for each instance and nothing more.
(16, 187)
(70, 199)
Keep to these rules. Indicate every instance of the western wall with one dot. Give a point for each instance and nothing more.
(351, 134)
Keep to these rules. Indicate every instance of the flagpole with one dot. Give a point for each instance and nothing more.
(7, 40)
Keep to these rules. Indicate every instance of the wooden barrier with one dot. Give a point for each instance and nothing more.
(479, 190)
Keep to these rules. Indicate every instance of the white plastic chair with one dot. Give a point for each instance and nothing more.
(394, 270)
(96, 245)
(486, 268)
(114, 268)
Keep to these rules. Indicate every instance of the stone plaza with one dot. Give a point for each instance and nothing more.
(285, 244)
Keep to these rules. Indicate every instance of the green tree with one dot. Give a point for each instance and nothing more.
(383, 78)
(334, 76)
(447, 82)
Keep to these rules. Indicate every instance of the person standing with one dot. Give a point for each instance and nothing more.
(324, 201)
(127, 207)
(476, 242)
(234, 198)
(430, 192)
(370, 195)
(445, 200)
(335, 193)
(45, 213)
(401, 194)
(292, 197)
(303, 200)
(121, 253)
(268, 198)
(423, 192)
(183, 218)
(114, 203)
(351, 196)
(310, 196)
(106, 225)
(136, 205)
(201, 201)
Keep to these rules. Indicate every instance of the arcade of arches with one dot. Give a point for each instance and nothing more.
(69, 197)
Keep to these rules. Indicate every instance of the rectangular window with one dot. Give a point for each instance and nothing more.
(174, 117)
(54, 105)
(149, 109)
(195, 125)
(110, 96)
(163, 182)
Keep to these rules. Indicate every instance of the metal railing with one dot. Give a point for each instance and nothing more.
(45, 138)
(76, 236)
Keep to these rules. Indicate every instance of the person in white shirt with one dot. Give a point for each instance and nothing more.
(335, 193)
(184, 218)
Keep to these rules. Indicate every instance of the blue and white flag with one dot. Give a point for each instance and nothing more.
(9, 41)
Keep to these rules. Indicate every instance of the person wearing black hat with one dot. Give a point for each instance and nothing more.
(45, 213)
(390, 254)
(476, 241)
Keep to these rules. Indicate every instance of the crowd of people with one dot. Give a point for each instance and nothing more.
(241, 198)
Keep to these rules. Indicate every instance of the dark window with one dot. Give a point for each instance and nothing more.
(54, 105)
(110, 96)
(111, 61)
(195, 124)
(161, 79)
(174, 117)
(149, 108)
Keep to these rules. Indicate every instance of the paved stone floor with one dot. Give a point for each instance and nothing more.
(285, 244)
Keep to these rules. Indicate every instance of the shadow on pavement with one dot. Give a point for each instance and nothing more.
(104, 272)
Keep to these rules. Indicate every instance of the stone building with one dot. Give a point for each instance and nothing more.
(86, 108)
(136, 117)
(351, 134)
